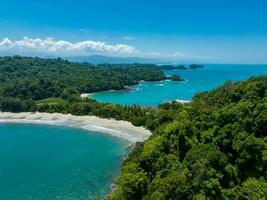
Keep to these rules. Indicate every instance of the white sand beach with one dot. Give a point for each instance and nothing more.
(86, 95)
(182, 101)
(122, 129)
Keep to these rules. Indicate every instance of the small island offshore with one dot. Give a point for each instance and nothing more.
(211, 148)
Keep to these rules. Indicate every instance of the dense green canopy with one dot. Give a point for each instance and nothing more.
(212, 148)
(36, 78)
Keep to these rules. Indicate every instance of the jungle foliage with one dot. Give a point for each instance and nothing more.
(212, 148)
(28, 78)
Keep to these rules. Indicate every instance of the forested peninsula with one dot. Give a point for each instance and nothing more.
(36, 78)
(212, 148)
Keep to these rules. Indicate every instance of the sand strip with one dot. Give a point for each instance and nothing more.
(122, 129)
(86, 95)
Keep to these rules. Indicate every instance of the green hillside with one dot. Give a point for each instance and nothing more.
(212, 148)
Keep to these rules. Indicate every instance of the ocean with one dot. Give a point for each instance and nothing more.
(152, 94)
(40, 162)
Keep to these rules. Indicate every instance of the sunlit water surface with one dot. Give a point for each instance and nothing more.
(152, 94)
(40, 162)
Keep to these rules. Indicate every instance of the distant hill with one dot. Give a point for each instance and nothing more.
(99, 59)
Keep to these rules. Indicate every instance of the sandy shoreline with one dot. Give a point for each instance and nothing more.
(183, 101)
(122, 129)
(86, 95)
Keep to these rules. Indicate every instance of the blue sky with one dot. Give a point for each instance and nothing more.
(222, 31)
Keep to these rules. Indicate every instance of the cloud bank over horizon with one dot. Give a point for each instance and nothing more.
(50, 47)
(63, 48)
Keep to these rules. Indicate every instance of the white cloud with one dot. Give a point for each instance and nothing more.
(61, 47)
(5, 42)
(49, 47)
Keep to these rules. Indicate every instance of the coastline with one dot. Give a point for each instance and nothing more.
(86, 95)
(182, 101)
(120, 129)
(128, 87)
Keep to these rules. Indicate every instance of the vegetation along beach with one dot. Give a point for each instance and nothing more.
(133, 100)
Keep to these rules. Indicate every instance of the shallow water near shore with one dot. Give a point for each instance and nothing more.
(46, 162)
(152, 94)
(43, 162)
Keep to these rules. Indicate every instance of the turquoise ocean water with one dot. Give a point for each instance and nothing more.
(152, 94)
(40, 162)
(51, 163)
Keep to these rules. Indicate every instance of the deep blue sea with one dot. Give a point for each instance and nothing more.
(40, 162)
(152, 94)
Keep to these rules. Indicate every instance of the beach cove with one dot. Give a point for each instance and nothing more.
(74, 157)
(120, 129)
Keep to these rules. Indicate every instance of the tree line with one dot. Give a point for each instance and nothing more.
(28, 78)
(212, 148)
